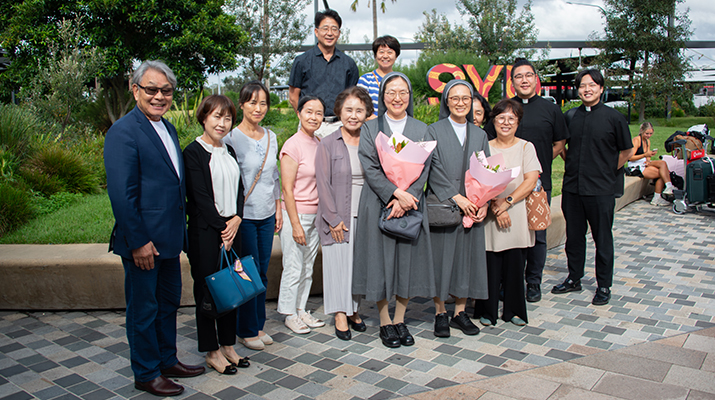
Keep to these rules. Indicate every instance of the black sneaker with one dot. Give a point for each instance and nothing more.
(533, 292)
(603, 295)
(462, 322)
(389, 336)
(441, 325)
(405, 338)
(568, 286)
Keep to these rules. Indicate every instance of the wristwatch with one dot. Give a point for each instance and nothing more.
(510, 200)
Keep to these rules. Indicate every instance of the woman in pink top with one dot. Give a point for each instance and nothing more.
(299, 237)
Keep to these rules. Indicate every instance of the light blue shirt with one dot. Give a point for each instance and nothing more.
(261, 204)
(371, 82)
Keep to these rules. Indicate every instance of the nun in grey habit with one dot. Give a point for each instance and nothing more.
(385, 266)
(459, 254)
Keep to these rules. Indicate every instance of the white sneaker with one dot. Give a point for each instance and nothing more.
(659, 201)
(668, 190)
(296, 324)
(310, 320)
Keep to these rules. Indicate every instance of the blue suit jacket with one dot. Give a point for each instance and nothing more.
(148, 198)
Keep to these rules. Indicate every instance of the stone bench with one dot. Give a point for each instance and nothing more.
(86, 276)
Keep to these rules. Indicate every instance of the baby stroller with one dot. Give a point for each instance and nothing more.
(698, 191)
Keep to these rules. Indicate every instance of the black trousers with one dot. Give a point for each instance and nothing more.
(505, 269)
(579, 213)
(536, 255)
(204, 250)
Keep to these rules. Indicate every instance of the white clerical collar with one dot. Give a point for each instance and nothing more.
(588, 109)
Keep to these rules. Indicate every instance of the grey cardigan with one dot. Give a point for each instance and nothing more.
(334, 180)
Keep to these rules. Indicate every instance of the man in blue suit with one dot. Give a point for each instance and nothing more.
(146, 185)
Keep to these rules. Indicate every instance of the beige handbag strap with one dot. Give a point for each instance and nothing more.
(258, 175)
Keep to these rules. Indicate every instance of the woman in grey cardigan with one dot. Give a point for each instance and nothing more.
(383, 265)
(339, 177)
(460, 262)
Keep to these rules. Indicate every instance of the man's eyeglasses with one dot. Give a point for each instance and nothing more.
(527, 75)
(153, 90)
(326, 29)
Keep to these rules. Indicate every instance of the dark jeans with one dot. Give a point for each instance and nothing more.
(152, 297)
(579, 213)
(536, 255)
(256, 240)
(504, 269)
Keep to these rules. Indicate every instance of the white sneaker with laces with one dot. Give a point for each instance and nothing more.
(310, 320)
(668, 190)
(659, 201)
(296, 324)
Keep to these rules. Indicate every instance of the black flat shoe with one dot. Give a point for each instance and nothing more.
(602, 297)
(441, 325)
(462, 322)
(389, 336)
(568, 286)
(343, 335)
(242, 363)
(533, 292)
(357, 326)
(405, 338)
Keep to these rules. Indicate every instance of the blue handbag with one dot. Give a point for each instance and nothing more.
(235, 283)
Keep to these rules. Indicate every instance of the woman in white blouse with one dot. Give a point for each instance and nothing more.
(214, 208)
(256, 151)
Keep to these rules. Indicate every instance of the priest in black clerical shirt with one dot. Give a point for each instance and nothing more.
(544, 126)
(599, 145)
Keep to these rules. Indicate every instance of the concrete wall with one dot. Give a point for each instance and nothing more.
(86, 276)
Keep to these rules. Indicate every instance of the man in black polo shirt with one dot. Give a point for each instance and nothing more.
(600, 144)
(323, 71)
(544, 126)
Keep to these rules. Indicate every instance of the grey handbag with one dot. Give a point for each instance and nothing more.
(406, 227)
(445, 214)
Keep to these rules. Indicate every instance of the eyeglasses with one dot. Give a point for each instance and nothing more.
(393, 94)
(527, 75)
(326, 29)
(592, 85)
(457, 99)
(510, 119)
(153, 90)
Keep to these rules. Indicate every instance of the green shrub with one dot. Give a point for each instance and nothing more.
(17, 129)
(426, 113)
(46, 205)
(275, 100)
(570, 104)
(15, 206)
(67, 166)
(41, 182)
(282, 104)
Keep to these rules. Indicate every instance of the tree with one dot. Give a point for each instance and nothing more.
(437, 34)
(500, 34)
(354, 7)
(194, 37)
(60, 87)
(494, 30)
(276, 29)
(643, 41)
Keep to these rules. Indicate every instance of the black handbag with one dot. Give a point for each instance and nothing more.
(446, 214)
(406, 227)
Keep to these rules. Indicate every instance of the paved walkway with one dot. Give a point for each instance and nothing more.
(655, 340)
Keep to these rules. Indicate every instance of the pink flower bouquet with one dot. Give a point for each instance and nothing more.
(402, 159)
(486, 179)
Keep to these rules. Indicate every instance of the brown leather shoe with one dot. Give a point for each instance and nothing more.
(181, 370)
(160, 386)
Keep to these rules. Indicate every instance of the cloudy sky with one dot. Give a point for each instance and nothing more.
(555, 20)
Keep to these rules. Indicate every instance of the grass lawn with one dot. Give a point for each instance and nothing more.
(87, 220)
